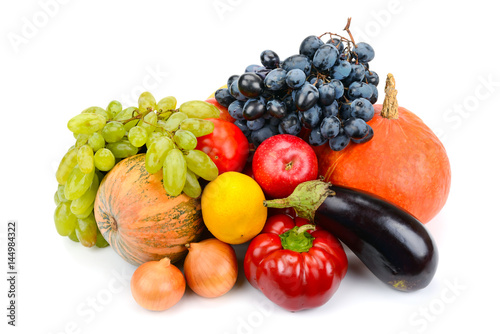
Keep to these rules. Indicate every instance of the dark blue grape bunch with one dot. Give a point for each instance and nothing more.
(326, 91)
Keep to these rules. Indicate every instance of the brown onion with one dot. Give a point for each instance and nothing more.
(157, 285)
(210, 267)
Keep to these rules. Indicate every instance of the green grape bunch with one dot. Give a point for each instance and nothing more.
(168, 135)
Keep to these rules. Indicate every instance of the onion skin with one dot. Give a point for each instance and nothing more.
(157, 285)
(210, 267)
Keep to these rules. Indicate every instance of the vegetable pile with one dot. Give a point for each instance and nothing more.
(293, 158)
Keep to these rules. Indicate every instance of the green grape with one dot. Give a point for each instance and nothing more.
(86, 123)
(174, 172)
(81, 140)
(147, 102)
(167, 103)
(86, 213)
(197, 126)
(122, 149)
(100, 241)
(192, 187)
(156, 153)
(86, 231)
(199, 109)
(85, 159)
(137, 136)
(98, 110)
(149, 122)
(113, 108)
(80, 205)
(60, 194)
(152, 138)
(201, 164)
(104, 159)
(96, 141)
(65, 220)
(78, 183)
(185, 140)
(73, 236)
(172, 123)
(57, 201)
(113, 132)
(68, 162)
(127, 114)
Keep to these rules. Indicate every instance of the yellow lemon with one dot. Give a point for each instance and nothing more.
(232, 208)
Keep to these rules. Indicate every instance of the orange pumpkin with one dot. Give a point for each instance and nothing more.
(139, 220)
(404, 163)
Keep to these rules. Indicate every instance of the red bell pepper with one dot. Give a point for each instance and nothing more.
(295, 264)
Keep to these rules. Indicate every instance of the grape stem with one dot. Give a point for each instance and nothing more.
(349, 42)
(141, 116)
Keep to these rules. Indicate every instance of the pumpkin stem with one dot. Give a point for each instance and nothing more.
(390, 107)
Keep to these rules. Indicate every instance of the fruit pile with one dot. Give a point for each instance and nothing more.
(167, 135)
(150, 180)
(327, 89)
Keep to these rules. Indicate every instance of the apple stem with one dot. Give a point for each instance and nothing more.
(305, 199)
(289, 165)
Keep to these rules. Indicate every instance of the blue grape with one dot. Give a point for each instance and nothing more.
(306, 97)
(326, 94)
(276, 108)
(300, 62)
(339, 88)
(269, 59)
(339, 142)
(355, 128)
(311, 117)
(223, 97)
(316, 138)
(331, 109)
(341, 70)
(258, 136)
(295, 78)
(371, 77)
(310, 45)
(330, 127)
(357, 74)
(325, 57)
(231, 79)
(250, 85)
(337, 43)
(359, 89)
(251, 68)
(256, 124)
(362, 108)
(366, 138)
(253, 109)
(275, 80)
(373, 99)
(234, 91)
(290, 124)
(235, 109)
(364, 52)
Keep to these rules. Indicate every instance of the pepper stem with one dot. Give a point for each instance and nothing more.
(305, 199)
(298, 239)
(390, 106)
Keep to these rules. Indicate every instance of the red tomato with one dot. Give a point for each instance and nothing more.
(224, 114)
(227, 146)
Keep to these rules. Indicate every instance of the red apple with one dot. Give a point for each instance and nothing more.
(282, 162)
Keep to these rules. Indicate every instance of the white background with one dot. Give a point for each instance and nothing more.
(59, 57)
